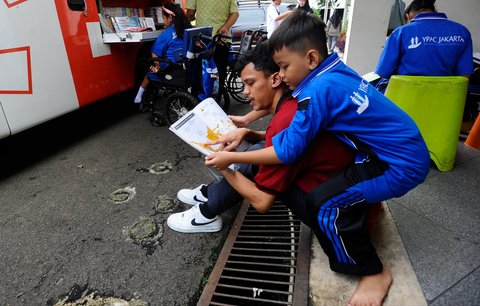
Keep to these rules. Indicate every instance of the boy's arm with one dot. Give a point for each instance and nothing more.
(259, 199)
(284, 15)
(221, 160)
(246, 119)
(232, 140)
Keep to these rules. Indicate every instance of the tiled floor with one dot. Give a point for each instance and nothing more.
(439, 226)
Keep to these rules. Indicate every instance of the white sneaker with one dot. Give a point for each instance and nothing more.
(192, 196)
(192, 221)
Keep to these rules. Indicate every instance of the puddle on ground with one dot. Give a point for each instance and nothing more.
(164, 204)
(122, 195)
(161, 168)
(93, 299)
(145, 231)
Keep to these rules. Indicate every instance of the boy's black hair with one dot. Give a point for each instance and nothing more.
(180, 20)
(418, 5)
(261, 59)
(299, 32)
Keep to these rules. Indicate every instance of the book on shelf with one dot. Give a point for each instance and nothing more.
(147, 22)
(132, 24)
(115, 25)
(123, 11)
(106, 23)
(203, 124)
(155, 13)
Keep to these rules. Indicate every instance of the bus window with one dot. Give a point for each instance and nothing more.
(76, 5)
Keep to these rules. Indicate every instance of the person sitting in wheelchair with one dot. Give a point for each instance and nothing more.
(169, 45)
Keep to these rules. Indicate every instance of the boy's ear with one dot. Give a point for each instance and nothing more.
(276, 80)
(314, 58)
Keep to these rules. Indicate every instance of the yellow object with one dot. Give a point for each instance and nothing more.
(436, 105)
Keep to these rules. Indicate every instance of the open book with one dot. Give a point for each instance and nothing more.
(205, 123)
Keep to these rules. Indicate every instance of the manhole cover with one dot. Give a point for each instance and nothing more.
(122, 195)
(145, 231)
(165, 204)
(161, 168)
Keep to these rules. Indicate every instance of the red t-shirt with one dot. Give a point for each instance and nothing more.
(325, 157)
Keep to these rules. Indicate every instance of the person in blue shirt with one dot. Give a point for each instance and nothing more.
(391, 156)
(429, 45)
(169, 44)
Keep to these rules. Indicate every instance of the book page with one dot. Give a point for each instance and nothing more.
(205, 123)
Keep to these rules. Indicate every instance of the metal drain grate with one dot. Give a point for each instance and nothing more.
(264, 261)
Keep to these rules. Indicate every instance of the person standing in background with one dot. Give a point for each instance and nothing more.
(274, 17)
(220, 14)
(334, 29)
(303, 5)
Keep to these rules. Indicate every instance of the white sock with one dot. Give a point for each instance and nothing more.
(138, 97)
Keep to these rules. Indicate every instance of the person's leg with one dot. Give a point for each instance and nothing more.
(329, 43)
(340, 226)
(372, 289)
(341, 209)
(334, 42)
(141, 90)
(220, 196)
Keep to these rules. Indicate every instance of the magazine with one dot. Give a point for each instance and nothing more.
(205, 123)
(106, 23)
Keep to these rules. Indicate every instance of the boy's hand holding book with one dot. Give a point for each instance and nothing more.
(230, 141)
(219, 160)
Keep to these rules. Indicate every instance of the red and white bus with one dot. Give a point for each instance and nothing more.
(53, 59)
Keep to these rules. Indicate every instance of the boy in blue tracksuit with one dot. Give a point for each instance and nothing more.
(391, 156)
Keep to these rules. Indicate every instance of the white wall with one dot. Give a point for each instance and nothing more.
(466, 12)
(368, 24)
(367, 30)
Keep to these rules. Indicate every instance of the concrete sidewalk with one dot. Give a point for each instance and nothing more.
(330, 288)
(429, 238)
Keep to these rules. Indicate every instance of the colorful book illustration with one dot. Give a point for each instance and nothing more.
(203, 124)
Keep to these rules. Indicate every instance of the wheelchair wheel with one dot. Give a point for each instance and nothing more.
(235, 87)
(156, 118)
(148, 99)
(178, 104)
(223, 99)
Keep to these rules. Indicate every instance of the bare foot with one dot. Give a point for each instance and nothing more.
(372, 289)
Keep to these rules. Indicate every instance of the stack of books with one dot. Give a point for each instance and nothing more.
(120, 24)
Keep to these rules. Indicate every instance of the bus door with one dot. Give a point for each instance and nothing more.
(4, 129)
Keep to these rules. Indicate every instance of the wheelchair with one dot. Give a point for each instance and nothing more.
(179, 88)
(233, 83)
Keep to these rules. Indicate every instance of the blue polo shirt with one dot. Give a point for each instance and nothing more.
(429, 45)
(335, 98)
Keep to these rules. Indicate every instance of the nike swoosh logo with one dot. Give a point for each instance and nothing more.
(196, 199)
(194, 223)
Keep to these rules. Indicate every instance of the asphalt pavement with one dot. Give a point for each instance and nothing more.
(64, 233)
(84, 200)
